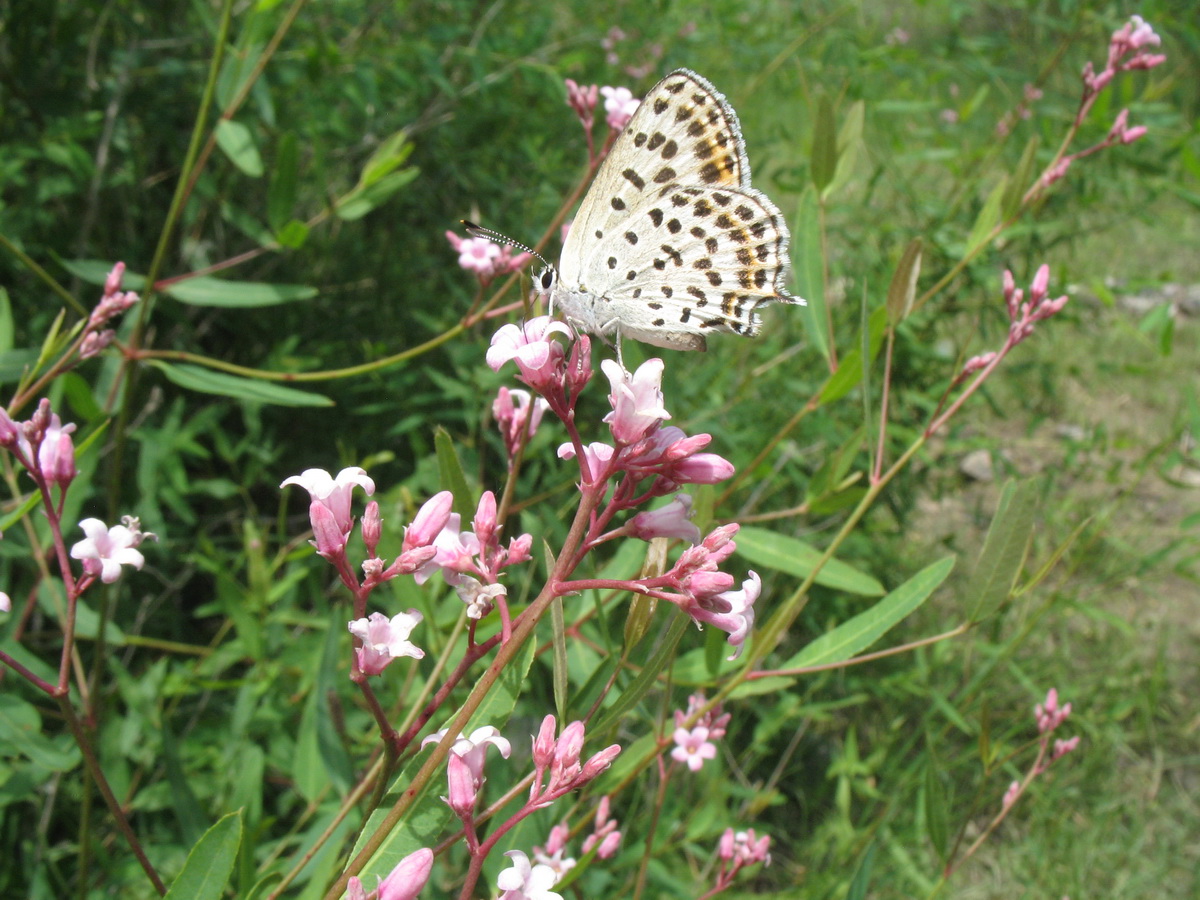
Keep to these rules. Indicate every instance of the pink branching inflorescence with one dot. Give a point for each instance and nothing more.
(736, 850)
(1127, 52)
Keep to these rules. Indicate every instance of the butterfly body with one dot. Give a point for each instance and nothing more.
(672, 243)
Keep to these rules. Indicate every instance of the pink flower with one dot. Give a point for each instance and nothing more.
(1050, 715)
(637, 400)
(731, 611)
(334, 493)
(539, 359)
(1063, 747)
(604, 832)
(480, 598)
(620, 104)
(106, 549)
(744, 847)
(5, 602)
(478, 255)
(554, 853)
(518, 415)
(672, 520)
(521, 881)
(384, 640)
(409, 876)
(430, 521)
(560, 760)
(693, 747)
(472, 750)
(715, 720)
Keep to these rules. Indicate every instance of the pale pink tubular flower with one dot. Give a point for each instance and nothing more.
(731, 611)
(334, 493)
(5, 602)
(554, 853)
(106, 549)
(384, 640)
(522, 881)
(409, 876)
(429, 522)
(693, 747)
(604, 832)
(637, 400)
(518, 415)
(472, 749)
(539, 359)
(672, 520)
(620, 104)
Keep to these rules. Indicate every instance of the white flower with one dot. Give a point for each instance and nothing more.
(525, 882)
(385, 639)
(334, 493)
(107, 549)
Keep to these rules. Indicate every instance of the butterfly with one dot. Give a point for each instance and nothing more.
(671, 243)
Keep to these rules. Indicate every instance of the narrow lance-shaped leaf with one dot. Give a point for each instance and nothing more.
(281, 195)
(903, 288)
(206, 381)
(1019, 182)
(988, 218)
(451, 476)
(210, 863)
(1003, 549)
(809, 273)
(861, 631)
(793, 556)
(824, 146)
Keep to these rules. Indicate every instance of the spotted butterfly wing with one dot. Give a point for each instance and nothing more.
(671, 243)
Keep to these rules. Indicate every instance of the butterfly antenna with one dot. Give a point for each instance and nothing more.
(479, 231)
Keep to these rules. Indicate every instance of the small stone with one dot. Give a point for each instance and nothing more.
(977, 465)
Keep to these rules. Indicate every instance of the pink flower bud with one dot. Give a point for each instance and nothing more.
(431, 518)
(1133, 134)
(569, 746)
(328, 537)
(599, 762)
(93, 345)
(462, 787)
(1037, 290)
(518, 550)
(725, 845)
(112, 283)
(1010, 796)
(408, 878)
(1063, 747)
(372, 527)
(484, 524)
(9, 432)
(543, 743)
(672, 520)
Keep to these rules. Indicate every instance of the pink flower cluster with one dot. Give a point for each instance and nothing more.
(112, 303)
(620, 104)
(42, 445)
(736, 850)
(486, 259)
(471, 561)
(645, 460)
(1024, 314)
(694, 745)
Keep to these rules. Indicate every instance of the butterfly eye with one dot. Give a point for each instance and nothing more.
(545, 280)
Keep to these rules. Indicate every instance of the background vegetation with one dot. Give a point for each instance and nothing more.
(221, 635)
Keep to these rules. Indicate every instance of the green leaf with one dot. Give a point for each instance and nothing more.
(649, 674)
(862, 875)
(21, 733)
(205, 291)
(791, 555)
(206, 381)
(850, 144)
(210, 863)
(1010, 205)
(451, 476)
(860, 632)
(388, 156)
(903, 289)
(292, 235)
(559, 641)
(7, 333)
(824, 145)
(236, 142)
(935, 809)
(188, 812)
(988, 218)
(95, 271)
(1003, 549)
(363, 199)
(281, 195)
(810, 273)
(850, 370)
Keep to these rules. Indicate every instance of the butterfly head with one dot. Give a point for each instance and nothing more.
(545, 280)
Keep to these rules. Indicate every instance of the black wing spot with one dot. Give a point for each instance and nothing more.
(656, 216)
(667, 290)
(617, 203)
(639, 139)
(634, 178)
(711, 245)
(744, 213)
(698, 232)
(612, 262)
(665, 174)
(686, 314)
(676, 86)
(714, 278)
(710, 173)
(659, 323)
(656, 140)
(722, 199)
(702, 263)
(674, 226)
(660, 106)
(695, 129)
(670, 148)
(654, 304)
(631, 237)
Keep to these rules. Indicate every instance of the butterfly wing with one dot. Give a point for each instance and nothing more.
(671, 242)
